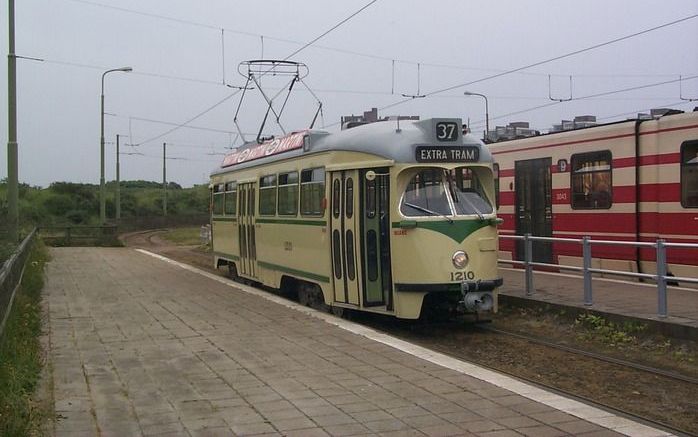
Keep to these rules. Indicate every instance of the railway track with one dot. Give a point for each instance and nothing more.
(594, 355)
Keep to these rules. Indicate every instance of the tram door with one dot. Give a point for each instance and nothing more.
(246, 231)
(344, 226)
(533, 192)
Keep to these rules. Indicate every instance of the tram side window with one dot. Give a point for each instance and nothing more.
(218, 196)
(288, 193)
(231, 197)
(689, 174)
(591, 180)
(312, 191)
(267, 195)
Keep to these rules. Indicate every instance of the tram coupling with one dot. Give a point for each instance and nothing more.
(477, 295)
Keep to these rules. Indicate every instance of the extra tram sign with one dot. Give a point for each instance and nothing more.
(447, 154)
(267, 148)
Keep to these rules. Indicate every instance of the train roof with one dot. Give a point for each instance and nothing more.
(397, 140)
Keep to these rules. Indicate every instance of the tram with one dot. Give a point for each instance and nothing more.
(393, 217)
(635, 180)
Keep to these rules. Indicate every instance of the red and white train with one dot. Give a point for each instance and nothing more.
(634, 180)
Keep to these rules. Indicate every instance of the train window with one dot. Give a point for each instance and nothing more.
(336, 194)
(425, 195)
(689, 174)
(495, 170)
(231, 191)
(591, 180)
(349, 194)
(351, 268)
(267, 195)
(337, 252)
(288, 193)
(371, 198)
(218, 198)
(312, 192)
(467, 190)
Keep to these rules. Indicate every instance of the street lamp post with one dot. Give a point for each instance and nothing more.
(487, 112)
(118, 182)
(102, 199)
(12, 160)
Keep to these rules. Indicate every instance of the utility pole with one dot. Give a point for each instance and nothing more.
(118, 182)
(12, 161)
(164, 179)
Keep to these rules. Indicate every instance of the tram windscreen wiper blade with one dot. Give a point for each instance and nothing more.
(428, 211)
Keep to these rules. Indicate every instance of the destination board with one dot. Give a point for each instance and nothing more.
(447, 154)
(267, 148)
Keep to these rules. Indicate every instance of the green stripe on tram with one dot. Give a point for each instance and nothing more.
(292, 221)
(224, 219)
(457, 230)
(291, 271)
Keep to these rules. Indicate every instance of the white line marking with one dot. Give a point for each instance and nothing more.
(575, 408)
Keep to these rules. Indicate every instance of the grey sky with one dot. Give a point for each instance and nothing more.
(455, 42)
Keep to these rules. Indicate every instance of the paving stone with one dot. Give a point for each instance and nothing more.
(166, 351)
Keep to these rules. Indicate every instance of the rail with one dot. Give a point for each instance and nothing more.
(660, 277)
(11, 275)
(106, 235)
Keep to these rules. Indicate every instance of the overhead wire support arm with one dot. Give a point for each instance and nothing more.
(550, 93)
(685, 99)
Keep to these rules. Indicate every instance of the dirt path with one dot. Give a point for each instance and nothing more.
(152, 241)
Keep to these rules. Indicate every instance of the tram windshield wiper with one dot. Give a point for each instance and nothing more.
(428, 211)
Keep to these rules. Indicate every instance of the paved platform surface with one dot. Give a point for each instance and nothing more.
(609, 295)
(142, 346)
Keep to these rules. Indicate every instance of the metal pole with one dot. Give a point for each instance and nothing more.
(487, 113)
(661, 279)
(102, 200)
(118, 182)
(586, 251)
(528, 257)
(164, 179)
(12, 152)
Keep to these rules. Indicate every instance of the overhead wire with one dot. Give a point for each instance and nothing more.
(548, 60)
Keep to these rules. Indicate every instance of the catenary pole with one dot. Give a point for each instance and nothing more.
(118, 182)
(12, 152)
(164, 179)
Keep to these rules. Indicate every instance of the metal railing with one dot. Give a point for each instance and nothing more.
(660, 277)
(106, 235)
(11, 275)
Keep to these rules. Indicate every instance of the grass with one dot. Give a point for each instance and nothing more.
(20, 354)
(183, 236)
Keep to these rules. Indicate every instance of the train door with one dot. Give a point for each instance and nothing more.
(343, 225)
(246, 230)
(375, 241)
(533, 192)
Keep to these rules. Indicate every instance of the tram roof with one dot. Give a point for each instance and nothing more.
(396, 140)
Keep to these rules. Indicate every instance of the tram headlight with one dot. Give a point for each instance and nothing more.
(459, 259)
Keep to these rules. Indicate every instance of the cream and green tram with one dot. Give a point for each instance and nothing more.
(392, 217)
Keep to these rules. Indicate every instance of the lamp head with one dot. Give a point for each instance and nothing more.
(126, 69)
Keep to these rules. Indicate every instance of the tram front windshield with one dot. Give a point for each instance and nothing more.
(438, 191)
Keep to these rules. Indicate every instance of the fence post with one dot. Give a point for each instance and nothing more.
(661, 279)
(528, 258)
(586, 251)
(68, 231)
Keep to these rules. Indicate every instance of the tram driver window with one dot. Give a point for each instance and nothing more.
(218, 197)
(267, 195)
(689, 174)
(426, 195)
(591, 180)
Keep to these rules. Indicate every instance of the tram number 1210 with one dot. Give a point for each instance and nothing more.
(462, 276)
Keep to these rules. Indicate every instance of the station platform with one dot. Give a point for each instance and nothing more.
(140, 345)
(618, 298)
